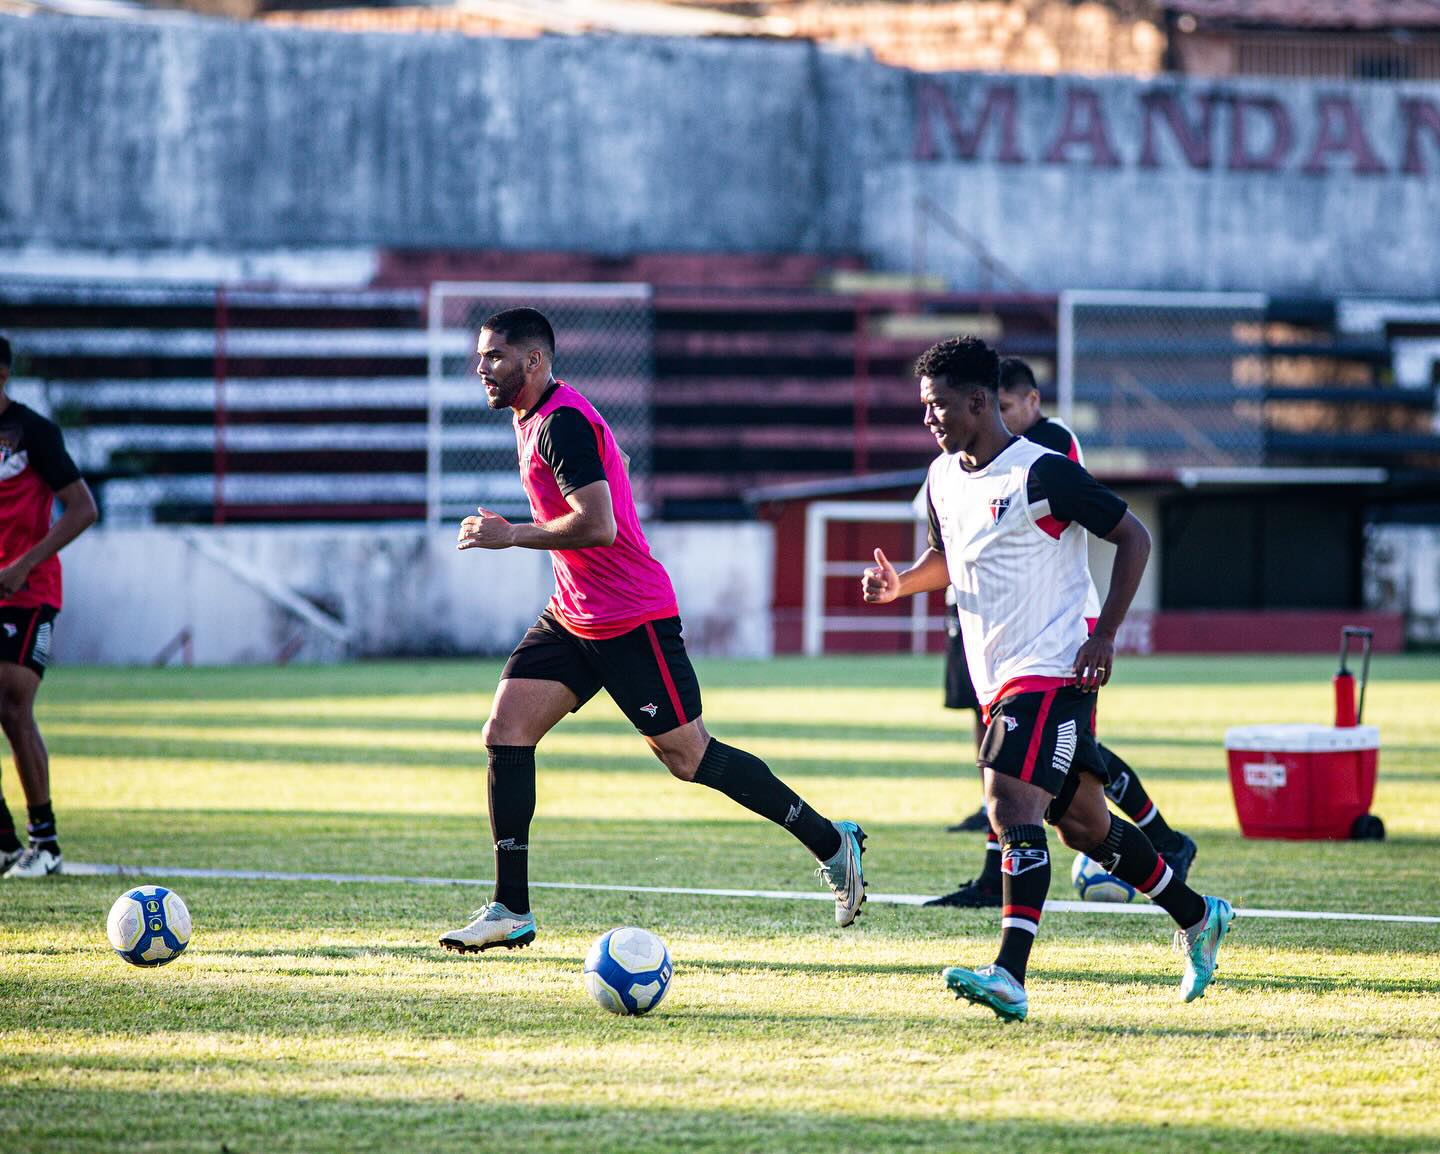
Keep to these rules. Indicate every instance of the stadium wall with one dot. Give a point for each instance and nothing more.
(216, 596)
(195, 134)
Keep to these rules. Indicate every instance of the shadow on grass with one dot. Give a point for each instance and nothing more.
(80, 1120)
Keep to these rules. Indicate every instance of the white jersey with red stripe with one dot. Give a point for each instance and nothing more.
(1020, 576)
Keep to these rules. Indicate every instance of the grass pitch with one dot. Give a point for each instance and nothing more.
(319, 1017)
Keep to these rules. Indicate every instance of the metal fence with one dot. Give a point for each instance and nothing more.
(1156, 381)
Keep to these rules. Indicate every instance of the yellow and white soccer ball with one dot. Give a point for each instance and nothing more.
(149, 926)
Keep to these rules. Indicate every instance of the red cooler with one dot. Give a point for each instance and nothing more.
(1304, 781)
(1311, 781)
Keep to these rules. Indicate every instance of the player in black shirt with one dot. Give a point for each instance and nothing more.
(1020, 410)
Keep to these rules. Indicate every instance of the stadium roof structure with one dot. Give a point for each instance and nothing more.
(1327, 15)
(537, 17)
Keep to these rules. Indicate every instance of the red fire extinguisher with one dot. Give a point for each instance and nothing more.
(1347, 713)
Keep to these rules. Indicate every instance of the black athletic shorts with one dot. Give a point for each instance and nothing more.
(25, 636)
(959, 689)
(646, 672)
(1047, 739)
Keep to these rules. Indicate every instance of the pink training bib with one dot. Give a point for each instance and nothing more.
(605, 590)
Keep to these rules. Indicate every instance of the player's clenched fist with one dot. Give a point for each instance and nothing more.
(881, 583)
(486, 530)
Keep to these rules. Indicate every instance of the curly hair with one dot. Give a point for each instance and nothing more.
(961, 361)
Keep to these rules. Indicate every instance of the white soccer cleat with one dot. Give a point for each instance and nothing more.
(492, 927)
(36, 863)
(9, 857)
(844, 875)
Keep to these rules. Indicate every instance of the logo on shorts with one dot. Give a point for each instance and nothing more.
(1010, 724)
(652, 709)
(1064, 746)
(998, 505)
(11, 629)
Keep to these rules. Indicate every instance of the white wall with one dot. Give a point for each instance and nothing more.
(399, 591)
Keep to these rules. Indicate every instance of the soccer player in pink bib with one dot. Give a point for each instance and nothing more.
(1008, 519)
(612, 623)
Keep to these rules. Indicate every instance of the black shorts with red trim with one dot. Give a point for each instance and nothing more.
(1045, 738)
(646, 671)
(25, 635)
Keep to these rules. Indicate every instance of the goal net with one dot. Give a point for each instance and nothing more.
(1156, 381)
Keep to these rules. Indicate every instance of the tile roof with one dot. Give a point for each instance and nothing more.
(1314, 13)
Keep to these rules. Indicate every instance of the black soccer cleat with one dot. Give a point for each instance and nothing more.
(1180, 856)
(975, 894)
(977, 822)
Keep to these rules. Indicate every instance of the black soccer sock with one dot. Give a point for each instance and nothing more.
(1128, 854)
(41, 828)
(1126, 791)
(990, 877)
(1025, 873)
(743, 777)
(9, 843)
(512, 805)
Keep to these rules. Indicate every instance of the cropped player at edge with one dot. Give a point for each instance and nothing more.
(35, 470)
(612, 623)
(1008, 519)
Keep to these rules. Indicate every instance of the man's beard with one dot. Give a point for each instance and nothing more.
(506, 391)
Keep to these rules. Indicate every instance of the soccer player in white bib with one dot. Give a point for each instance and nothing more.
(1020, 410)
(1008, 520)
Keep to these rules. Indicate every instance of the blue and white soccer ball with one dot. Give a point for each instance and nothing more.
(1093, 884)
(628, 970)
(149, 926)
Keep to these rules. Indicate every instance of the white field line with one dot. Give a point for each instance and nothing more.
(83, 869)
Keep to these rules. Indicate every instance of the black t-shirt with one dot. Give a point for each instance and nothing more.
(566, 442)
(1074, 495)
(28, 438)
(1052, 435)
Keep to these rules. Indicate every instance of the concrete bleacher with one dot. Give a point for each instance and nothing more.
(188, 404)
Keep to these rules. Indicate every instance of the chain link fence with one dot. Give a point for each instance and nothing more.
(207, 404)
(1158, 381)
(605, 347)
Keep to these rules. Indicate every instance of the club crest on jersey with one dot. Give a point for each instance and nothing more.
(998, 505)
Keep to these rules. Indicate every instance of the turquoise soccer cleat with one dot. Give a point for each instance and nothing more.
(1201, 947)
(990, 986)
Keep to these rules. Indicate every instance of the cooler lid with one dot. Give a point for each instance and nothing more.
(1301, 738)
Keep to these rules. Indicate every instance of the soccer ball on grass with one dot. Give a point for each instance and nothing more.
(628, 970)
(149, 926)
(1093, 884)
